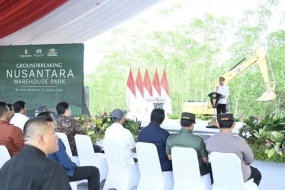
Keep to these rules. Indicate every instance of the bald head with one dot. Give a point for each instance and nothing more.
(35, 126)
(39, 132)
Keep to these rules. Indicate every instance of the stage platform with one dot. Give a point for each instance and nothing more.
(173, 126)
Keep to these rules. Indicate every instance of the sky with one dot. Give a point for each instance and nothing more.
(191, 8)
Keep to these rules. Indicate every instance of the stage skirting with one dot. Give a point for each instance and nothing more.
(173, 126)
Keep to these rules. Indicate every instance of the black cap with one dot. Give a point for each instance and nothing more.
(40, 109)
(117, 114)
(225, 117)
(188, 116)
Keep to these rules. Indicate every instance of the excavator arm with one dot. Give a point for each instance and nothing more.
(260, 57)
(263, 63)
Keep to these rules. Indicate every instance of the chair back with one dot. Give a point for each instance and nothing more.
(85, 150)
(226, 168)
(149, 165)
(4, 155)
(114, 155)
(186, 172)
(65, 141)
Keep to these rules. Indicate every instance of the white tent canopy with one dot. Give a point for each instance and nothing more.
(77, 21)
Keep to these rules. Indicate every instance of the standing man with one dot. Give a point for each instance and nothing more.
(121, 135)
(222, 89)
(156, 135)
(225, 142)
(31, 169)
(186, 138)
(20, 117)
(10, 136)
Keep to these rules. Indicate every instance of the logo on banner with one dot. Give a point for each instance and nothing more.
(26, 54)
(39, 53)
(52, 52)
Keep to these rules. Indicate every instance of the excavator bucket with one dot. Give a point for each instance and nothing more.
(268, 95)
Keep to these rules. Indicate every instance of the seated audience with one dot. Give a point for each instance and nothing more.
(10, 136)
(226, 142)
(11, 111)
(68, 125)
(123, 136)
(153, 133)
(20, 117)
(74, 172)
(31, 169)
(186, 138)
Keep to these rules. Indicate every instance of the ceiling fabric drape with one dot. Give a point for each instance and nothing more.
(17, 14)
(75, 21)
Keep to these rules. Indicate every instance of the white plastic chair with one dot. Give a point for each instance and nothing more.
(227, 174)
(186, 171)
(4, 155)
(87, 157)
(120, 176)
(64, 139)
(151, 176)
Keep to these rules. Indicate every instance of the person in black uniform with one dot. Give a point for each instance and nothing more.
(31, 169)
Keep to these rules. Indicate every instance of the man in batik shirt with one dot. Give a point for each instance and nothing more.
(68, 125)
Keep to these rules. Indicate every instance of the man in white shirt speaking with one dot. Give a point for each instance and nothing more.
(121, 135)
(222, 89)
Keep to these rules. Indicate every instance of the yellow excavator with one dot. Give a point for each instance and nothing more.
(204, 108)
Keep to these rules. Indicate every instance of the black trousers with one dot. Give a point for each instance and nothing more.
(221, 108)
(255, 175)
(90, 173)
(97, 148)
(206, 169)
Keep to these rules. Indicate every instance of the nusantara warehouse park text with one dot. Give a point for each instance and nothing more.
(39, 73)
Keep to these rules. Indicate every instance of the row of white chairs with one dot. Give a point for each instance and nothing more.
(147, 174)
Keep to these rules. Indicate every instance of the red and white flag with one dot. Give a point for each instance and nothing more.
(147, 85)
(140, 93)
(165, 94)
(148, 95)
(156, 85)
(131, 93)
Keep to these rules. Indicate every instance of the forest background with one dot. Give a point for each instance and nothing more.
(194, 51)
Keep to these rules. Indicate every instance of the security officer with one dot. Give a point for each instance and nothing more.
(186, 138)
(226, 142)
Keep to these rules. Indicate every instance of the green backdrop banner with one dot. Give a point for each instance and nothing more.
(42, 75)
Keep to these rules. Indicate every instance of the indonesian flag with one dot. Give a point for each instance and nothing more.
(156, 85)
(147, 85)
(165, 94)
(147, 92)
(140, 93)
(131, 93)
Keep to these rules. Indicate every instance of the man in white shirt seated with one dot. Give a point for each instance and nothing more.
(20, 117)
(121, 135)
